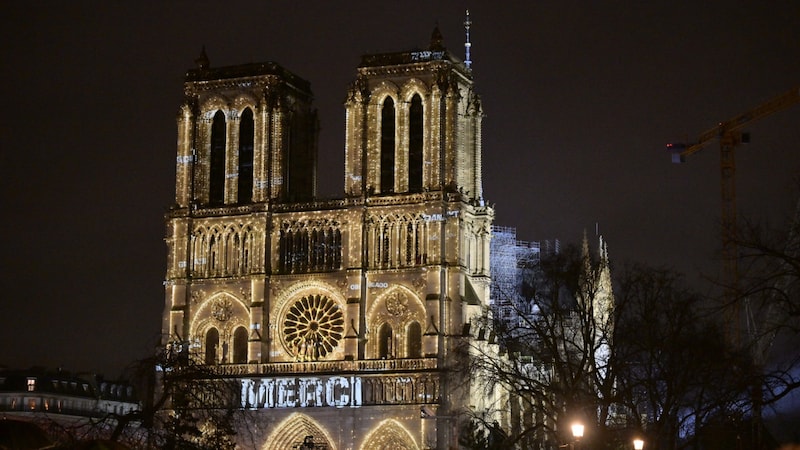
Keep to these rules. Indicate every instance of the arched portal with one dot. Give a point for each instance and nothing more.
(389, 435)
(294, 430)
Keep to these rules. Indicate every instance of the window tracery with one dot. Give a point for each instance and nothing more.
(223, 251)
(313, 327)
(309, 247)
(397, 241)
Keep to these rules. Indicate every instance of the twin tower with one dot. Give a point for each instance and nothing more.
(339, 318)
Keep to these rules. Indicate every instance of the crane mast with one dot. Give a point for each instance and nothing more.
(730, 135)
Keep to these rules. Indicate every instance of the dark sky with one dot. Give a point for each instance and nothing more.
(580, 98)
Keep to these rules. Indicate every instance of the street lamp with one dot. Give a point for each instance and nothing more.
(577, 434)
(577, 431)
(638, 444)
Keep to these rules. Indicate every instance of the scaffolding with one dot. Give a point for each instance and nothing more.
(512, 262)
(503, 264)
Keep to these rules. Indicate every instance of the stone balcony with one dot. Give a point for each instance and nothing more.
(324, 367)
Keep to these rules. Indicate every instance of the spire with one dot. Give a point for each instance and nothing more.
(437, 41)
(467, 44)
(202, 60)
(585, 245)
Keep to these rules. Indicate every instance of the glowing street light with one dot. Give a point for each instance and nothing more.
(638, 444)
(577, 431)
(577, 434)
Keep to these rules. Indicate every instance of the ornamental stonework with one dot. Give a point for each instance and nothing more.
(312, 327)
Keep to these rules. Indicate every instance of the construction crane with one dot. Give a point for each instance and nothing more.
(730, 135)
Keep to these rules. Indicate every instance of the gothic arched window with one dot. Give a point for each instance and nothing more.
(414, 340)
(284, 246)
(240, 345)
(385, 341)
(246, 140)
(212, 255)
(216, 177)
(387, 145)
(212, 346)
(415, 144)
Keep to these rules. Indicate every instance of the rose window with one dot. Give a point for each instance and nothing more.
(313, 327)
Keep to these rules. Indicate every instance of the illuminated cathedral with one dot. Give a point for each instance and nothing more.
(339, 318)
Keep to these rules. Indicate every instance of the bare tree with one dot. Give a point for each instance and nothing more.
(185, 405)
(554, 352)
(678, 373)
(768, 293)
(648, 357)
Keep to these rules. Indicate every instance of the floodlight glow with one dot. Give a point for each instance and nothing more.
(577, 430)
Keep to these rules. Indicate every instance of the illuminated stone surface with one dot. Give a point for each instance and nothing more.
(350, 308)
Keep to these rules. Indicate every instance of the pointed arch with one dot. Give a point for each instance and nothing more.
(389, 435)
(211, 346)
(239, 345)
(388, 128)
(397, 308)
(414, 340)
(216, 177)
(246, 143)
(294, 429)
(224, 313)
(385, 341)
(415, 143)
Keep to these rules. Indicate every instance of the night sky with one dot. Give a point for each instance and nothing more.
(580, 98)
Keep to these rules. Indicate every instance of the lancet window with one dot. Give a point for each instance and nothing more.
(223, 252)
(246, 141)
(398, 241)
(414, 340)
(211, 346)
(309, 248)
(387, 145)
(385, 342)
(239, 346)
(415, 140)
(216, 177)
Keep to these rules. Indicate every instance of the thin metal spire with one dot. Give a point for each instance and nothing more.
(467, 44)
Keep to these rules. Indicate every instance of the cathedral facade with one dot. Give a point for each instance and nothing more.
(339, 318)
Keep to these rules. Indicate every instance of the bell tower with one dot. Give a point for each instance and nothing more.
(247, 143)
(246, 134)
(413, 125)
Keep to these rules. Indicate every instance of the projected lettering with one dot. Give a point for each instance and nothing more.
(301, 392)
(426, 55)
(371, 284)
(438, 217)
